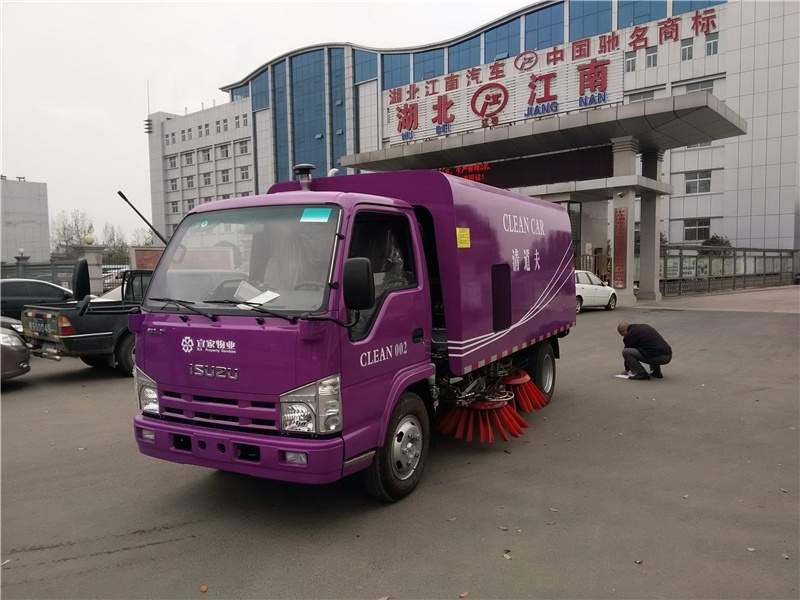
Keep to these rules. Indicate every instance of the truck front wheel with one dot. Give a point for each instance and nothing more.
(543, 366)
(397, 466)
(125, 354)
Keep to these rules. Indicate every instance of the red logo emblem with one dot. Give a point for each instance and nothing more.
(525, 61)
(492, 97)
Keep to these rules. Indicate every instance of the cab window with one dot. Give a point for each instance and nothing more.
(385, 239)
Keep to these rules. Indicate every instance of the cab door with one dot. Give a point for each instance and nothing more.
(390, 337)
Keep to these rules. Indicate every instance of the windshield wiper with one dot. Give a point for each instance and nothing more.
(186, 304)
(257, 307)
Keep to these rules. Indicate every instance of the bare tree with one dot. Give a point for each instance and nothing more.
(142, 237)
(68, 230)
(115, 243)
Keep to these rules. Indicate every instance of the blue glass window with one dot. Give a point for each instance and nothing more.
(308, 109)
(429, 64)
(635, 12)
(589, 18)
(464, 55)
(282, 171)
(338, 134)
(396, 70)
(501, 41)
(545, 28)
(260, 86)
(366, 65)
(241, 92)
(684, 6)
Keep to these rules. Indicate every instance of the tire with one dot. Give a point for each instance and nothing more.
(96, 362)
(543, 368)
(578, 305)
(392, 476)
(125, 353)
(612, 302)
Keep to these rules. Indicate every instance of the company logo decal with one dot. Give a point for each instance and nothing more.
(213, 346)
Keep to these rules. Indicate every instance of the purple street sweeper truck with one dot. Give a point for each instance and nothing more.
(324, 328)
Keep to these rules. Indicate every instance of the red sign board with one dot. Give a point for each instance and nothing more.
(620, 246)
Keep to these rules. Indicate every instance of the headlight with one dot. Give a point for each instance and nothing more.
(9, 339)
(313, 408)
(146, 392)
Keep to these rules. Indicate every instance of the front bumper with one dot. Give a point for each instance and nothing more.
(258, 456)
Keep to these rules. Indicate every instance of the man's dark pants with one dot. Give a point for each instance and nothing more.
(634, 359)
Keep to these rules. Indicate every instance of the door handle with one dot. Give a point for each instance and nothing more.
(416, 335)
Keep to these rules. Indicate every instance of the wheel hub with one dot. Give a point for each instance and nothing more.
(406, 447)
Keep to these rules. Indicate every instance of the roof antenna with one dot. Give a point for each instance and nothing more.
(303, 174)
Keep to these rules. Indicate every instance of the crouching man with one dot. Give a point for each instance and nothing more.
(643, 344)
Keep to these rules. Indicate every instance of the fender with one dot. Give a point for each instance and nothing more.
(364, 442)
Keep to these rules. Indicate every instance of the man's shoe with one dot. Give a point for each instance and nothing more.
(640, 376)
(657, 374)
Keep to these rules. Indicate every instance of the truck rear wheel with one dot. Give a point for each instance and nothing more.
(543, 368)
(125, 354)
(397, 467)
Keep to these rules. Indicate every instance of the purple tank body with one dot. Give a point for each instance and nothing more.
(498, 223)
(219, 382)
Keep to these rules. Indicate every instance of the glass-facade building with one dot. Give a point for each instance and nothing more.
(318, 104)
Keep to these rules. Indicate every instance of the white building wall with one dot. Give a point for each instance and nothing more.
(184, 149)
(760, 186)
(25, 220)
(368, 116)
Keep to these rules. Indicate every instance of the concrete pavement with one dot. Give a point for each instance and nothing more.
(784, 299)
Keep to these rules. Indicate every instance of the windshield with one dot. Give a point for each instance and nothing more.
(237, 260)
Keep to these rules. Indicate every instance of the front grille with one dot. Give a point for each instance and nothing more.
(227, 413)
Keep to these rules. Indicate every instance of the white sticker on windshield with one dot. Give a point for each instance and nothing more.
(261, 299)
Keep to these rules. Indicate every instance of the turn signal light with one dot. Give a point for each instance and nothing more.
(64, 326)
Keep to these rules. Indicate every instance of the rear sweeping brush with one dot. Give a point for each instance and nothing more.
(527, 396)
(495, 412)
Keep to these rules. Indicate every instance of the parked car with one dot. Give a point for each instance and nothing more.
(12, 324)
(591, 291)
(17, 293)
(14, 354)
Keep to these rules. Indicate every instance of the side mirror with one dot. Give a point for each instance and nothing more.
(80, 279)
(358, 285)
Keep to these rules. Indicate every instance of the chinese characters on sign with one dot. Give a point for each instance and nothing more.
(476, 172)
(581, 74)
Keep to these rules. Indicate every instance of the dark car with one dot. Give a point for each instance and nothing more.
(14, 354)
(17, 293)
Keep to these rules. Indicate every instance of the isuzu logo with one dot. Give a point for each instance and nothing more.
(213, 371)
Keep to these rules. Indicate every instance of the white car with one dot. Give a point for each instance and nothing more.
(591, 291)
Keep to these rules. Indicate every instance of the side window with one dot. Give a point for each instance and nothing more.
(594, 280)
(385, 239)
(15, 288)
(582, 278)
(41, 290)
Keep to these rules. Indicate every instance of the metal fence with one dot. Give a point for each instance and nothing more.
(694, 270)
(686, 270)
(60, 272)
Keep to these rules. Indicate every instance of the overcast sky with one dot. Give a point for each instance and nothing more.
(75, 77)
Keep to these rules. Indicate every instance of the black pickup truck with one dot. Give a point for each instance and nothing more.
(94, 330)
